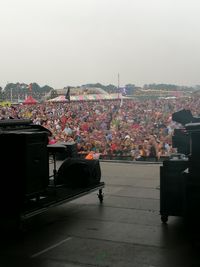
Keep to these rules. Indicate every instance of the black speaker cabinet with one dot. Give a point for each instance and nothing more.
(70, 152)
(195, 145)
(24, 166)
(183, 116)
(79, 173)
(181, 141)
(172, 187)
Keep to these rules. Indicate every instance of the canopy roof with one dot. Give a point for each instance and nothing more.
(62, 98)
(30, 100)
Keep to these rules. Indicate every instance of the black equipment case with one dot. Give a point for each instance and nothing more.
(180, 180)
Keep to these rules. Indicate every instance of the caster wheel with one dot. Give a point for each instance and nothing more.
(100, 198)
(100, 195)
(164, 218)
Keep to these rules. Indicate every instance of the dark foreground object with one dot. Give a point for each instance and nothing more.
(124, 231)
(27, 188)
(76, 173)
(180, 179)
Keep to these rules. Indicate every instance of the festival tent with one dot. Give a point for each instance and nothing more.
(30, 100)
(5, 104)
(60, 98)
(88, 97)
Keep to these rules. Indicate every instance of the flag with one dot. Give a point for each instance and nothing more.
(67, 96)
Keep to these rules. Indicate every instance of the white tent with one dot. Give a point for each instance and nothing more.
(88, 97)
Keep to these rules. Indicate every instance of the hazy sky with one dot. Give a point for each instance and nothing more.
(74, 42)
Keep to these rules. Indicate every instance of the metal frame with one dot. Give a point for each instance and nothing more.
(82, 192)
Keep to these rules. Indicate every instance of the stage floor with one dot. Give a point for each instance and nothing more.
(124, 231)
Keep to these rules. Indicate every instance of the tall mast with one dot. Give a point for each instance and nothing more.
(118, 84)
(118, 81)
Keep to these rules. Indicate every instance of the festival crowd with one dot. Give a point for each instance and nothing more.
(139, 129)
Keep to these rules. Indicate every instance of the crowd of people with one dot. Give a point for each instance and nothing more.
(118, 128)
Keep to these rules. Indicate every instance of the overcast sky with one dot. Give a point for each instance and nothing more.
(74, 42)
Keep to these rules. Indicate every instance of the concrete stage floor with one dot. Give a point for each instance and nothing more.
(124, 231)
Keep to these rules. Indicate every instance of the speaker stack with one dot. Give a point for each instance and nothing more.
(24, 166)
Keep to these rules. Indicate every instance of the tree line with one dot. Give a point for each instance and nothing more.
(21, 90)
